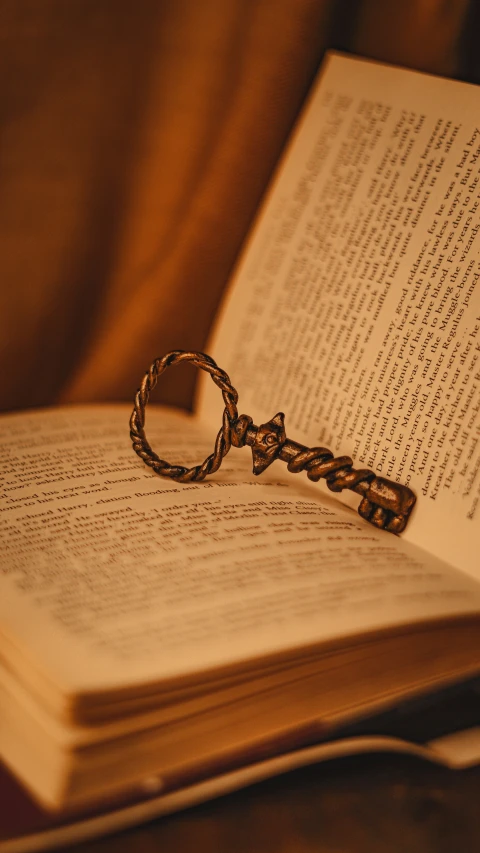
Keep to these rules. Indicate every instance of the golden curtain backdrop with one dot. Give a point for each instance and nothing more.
(136, 142)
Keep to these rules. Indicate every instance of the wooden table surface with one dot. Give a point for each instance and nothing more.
(363, 804)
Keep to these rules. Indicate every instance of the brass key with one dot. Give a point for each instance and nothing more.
(384, 503)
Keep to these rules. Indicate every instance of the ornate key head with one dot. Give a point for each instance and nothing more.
(269, 440)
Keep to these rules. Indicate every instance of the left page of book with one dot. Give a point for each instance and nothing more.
(112, 576)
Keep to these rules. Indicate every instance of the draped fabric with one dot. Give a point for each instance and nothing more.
(136, 141)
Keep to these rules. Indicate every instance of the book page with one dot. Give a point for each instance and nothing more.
(113, 576)
(356, 307)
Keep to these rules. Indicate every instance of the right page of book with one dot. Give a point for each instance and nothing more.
(356, 306)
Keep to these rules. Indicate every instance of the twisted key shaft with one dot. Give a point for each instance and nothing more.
(384, 503)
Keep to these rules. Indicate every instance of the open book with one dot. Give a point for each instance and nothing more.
(156, 630)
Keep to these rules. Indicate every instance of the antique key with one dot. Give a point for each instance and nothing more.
(384, 503)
